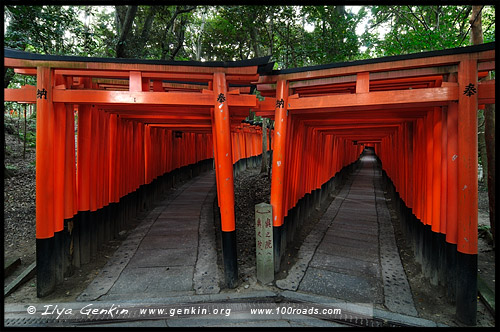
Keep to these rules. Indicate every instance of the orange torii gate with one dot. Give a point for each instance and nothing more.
(418, 111)
(142, 125)
(409, 108)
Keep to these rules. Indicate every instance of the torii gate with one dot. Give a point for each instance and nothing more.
(140, 122)
(411, 108)
(419, 113)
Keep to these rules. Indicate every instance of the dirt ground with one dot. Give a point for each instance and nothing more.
(431, 301)
(250, 188)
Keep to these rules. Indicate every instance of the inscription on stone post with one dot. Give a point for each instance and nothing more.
(264, 242)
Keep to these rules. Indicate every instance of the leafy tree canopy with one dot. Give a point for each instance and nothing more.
(293, 35)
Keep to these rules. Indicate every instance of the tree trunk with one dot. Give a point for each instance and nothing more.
(125, 26)
(476, 30)
(263, 168)
(482, 146)
(8, 74)
(271, 126)
(254, 37)
(198, 40)
(146, 29)
(489, 134)
(180, 38)
(25, 134)
(489, 122)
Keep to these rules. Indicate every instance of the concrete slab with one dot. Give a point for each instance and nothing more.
(179, 229)
(314, 322)
(177, 222)
(356, 217)
(159, 257)
(169, 242)
(206, 276)
(345, 265)
(398, 295)
(136, 324)
(348, 252)
(356, 229)
(163, 258)
(351, 219)
(172, 211)
(342, 286)
(224, 322)
(154, 280)
(351, 234)
(332, 237)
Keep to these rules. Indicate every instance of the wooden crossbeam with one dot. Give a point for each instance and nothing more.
(112, 66)
(382, 98)
(424, 63)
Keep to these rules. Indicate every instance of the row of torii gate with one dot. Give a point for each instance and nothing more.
(141, 120)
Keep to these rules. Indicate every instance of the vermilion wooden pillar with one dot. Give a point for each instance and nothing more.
(70, 193)
(45, 124)
(59, 167)
(467, 191)
(83, 182)
(214, 135)
(93, 179)
(436, 171)
(224, 167)
(278, 168)
(444, 169)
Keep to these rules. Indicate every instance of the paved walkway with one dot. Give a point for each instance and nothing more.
(171, 253)
(170, 259)
(352, 254)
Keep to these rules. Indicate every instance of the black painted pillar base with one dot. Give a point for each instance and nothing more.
(277, 230)
(451, 271)
(68, 249)
(229, 257)
(75, 239)
(93, 233)
(85, 233)
(45, 267)
(58, 256)
(114, 220)
(466, 307)
(99, 228)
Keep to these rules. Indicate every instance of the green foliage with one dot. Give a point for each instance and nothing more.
(412, 29)
(30, 138)
(488, 20)
(484, 228)
(11, 167)
(294, 36)
(42, 29)
(334, 36)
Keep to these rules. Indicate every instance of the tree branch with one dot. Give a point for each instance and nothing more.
(180, 39)
(414, 15)
(178, 10)
(127, 24)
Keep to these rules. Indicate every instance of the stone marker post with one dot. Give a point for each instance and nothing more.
(264, 242)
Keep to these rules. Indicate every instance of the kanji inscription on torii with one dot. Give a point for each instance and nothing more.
(264, 242)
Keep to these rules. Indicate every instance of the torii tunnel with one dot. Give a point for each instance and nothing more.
(141, 122)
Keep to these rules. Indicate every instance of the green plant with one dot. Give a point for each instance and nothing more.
(484, 228)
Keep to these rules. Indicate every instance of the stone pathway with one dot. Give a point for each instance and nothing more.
(349, 260)
(352, 254)
(171, 253)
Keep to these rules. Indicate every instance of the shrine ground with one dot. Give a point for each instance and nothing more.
(250, 188)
